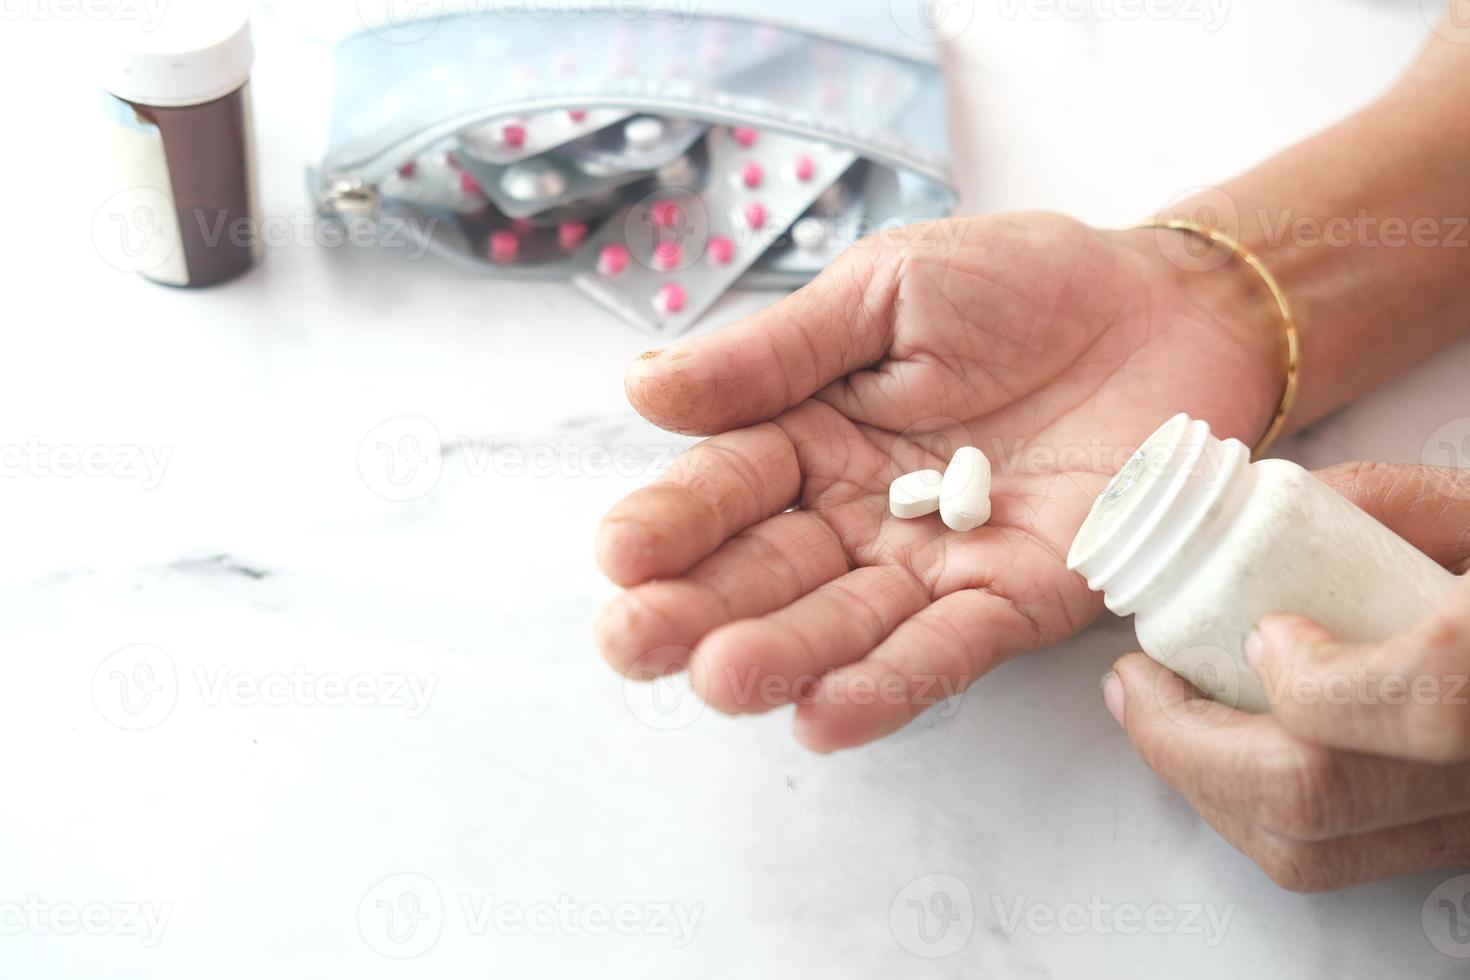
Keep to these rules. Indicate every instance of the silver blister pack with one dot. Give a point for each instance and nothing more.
(552, 180)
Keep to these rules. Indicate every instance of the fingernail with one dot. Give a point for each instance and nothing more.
(1113, 697)
(1254, 648)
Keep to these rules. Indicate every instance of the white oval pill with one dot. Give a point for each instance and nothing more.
(915, 494)
(964, 494)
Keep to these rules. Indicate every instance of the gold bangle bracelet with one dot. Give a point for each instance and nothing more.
(1288, 321)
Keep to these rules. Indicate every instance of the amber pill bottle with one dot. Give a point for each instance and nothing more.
(177, 95)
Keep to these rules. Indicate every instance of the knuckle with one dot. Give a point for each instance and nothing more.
(1359, 480)
(1298, 793)
(1295, 867)
(1437, 719)
(1439, 732)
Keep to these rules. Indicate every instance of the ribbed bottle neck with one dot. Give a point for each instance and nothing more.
(1158, 502)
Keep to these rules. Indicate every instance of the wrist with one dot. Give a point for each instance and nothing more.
(1234, 300)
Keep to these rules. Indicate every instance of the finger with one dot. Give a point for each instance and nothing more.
(1252, 770)
(651, 629)
(1408, 697)
(1429, 506)
(1320, 866)
(933, 656)
(716, 489)
(755, 369)
(754, 665)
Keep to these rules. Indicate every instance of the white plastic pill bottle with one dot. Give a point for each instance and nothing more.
(1197, 543)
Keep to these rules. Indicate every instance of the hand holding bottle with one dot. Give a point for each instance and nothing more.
(1362, 769)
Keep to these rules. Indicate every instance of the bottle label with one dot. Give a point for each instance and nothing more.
(137, 228)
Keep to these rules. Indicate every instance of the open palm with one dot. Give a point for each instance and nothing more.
(765, 561)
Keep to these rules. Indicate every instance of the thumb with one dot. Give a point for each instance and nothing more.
(1405, 697)
(1313, 681)
(757, 368)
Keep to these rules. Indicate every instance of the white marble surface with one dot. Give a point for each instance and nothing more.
(490, 757)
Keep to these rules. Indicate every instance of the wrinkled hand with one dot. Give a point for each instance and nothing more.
(1362, 770)
(765, 561)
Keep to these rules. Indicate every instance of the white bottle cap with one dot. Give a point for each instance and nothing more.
(191, 52)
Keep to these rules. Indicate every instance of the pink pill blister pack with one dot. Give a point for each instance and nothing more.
(653, 159)
(662, 261)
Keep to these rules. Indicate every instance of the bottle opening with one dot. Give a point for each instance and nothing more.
(1128, 490)
(1152, 508)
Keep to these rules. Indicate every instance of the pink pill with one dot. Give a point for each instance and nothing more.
(408, 170)
(667, 255)
(665, 214)
(504, 246)
(514, 136)
(752, 175)
(577, 115)
(571, 234)
(804, 167)
(745, 136)
(721, 250)
(468, 183)
(613, 260)
(755, 214)
(671, 297)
